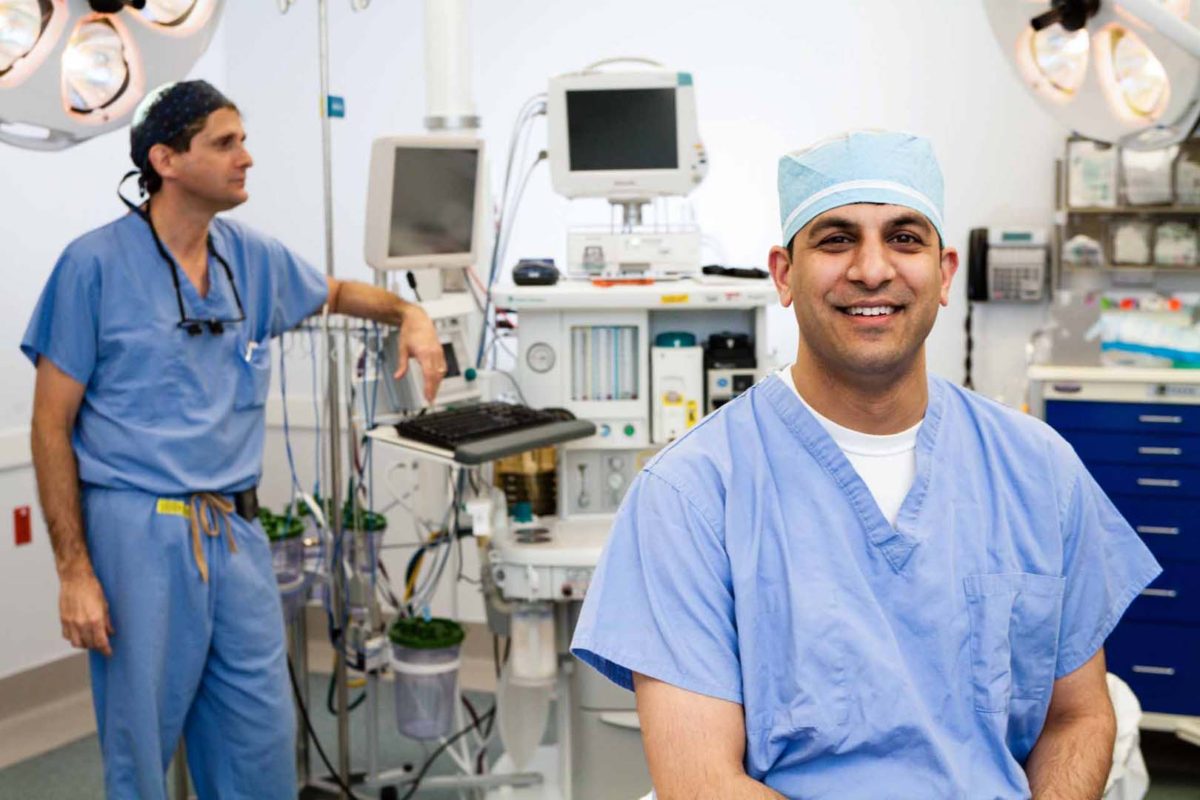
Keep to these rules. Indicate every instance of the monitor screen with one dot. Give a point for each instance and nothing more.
(433, 201)
(622, 129)
(452, 370)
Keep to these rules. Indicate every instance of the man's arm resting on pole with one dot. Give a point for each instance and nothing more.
(1073, 755)
(418, 337)
(81, 604)
(695, 745)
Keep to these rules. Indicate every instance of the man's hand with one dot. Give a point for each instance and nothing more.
(418, 337)
(419, 340)
(84, 613)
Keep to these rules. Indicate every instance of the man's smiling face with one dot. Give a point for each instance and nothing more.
(866, 281)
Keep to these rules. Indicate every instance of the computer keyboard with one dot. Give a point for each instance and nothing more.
(484, 431)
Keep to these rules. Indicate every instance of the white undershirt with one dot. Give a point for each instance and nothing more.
(887, 464)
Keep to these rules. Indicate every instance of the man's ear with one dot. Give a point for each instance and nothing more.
(780, 263)
(948, 266)
(162, 158)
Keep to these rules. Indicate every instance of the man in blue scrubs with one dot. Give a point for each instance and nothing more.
(152, 347)
(858, 580)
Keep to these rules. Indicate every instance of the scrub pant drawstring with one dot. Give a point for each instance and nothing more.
(209, 512)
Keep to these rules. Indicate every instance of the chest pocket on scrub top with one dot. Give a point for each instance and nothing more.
(254, 376)
(1015, 621)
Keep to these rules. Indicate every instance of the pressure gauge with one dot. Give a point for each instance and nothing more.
(540, 357)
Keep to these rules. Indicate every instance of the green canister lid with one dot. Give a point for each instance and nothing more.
(420, 634)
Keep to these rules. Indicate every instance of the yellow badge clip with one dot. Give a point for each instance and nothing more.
(174, 508)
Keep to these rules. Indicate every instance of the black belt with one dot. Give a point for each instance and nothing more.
(245, 503)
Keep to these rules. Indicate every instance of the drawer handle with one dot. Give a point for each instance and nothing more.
(622, 719)
(1160, 419)
(1155, 529)
(1159, 593)
(1141, 670)
(1160, 451)
(1165, 483)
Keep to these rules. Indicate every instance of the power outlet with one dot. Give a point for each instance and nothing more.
(22, 526)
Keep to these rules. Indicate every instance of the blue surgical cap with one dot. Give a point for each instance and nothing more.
(859, 167)
(165, 112)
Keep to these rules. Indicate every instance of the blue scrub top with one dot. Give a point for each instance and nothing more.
(749, 562)
(165, 412)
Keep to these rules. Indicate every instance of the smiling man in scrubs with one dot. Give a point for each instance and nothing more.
(152, 346)
(858, 580)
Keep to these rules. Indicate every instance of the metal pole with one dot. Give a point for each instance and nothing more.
(1152, 12)
(338, 587)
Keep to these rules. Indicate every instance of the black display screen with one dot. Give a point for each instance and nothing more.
(433, 201)
(451, 360)
(614, 129)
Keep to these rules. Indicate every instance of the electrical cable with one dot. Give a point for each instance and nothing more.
(532, 107)
(968, 382)
(504, 235)
(416, 781)
(333, 773)
(329, 694)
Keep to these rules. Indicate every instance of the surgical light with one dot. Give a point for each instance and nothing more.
(1121, 71)
(1060, 57)
(90, 62)
(21, 24)
(94, 67)
(168, 12)
(1140, 78)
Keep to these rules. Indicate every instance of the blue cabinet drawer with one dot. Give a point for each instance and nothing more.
(1067, 415)
(1147, 480)
(1161, 663)
(1173, 597)
(1170, 528)
(1135, 448)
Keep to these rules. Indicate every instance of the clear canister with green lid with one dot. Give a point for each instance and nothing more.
(425, 660)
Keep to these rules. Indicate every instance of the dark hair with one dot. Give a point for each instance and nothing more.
(150, 180)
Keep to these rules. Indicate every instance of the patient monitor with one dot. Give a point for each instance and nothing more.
(425, 202)
(425, 210)
(624, 136)
(628, 137)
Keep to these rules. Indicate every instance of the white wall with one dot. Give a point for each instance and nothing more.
(767, 80)
(770, 76)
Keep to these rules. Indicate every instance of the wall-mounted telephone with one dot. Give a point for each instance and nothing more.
(1007, 264)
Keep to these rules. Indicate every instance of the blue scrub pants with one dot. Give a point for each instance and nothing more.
(208, 660)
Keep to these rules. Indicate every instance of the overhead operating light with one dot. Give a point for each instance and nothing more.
(1055, 60)
(1122, 71)
(26, 27)
(1140, 81)
(94, 67)
(21, 26)
(168, 12)
(73, 69)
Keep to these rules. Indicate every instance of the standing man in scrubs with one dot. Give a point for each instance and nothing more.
(152, 347)
(858, 580)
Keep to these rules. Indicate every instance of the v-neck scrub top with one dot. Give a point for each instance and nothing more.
(749, 562)
(165, 412)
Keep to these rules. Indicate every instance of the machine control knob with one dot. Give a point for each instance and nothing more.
(630, 430)
(567, 591)
(605, 429)
(470, 374)
(615, 480)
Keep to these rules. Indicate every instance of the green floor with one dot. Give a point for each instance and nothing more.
(73, 772)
